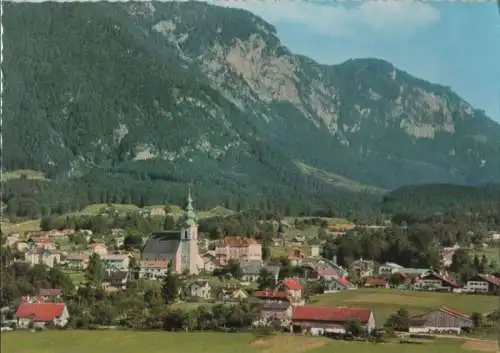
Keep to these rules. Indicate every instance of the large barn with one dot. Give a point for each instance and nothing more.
(443, 320)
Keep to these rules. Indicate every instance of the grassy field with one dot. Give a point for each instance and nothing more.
(28, 226)
(164, 342)
(97, 207)
(16, 174)
(491, 253)
(385, 302)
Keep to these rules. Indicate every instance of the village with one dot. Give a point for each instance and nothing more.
(232, 270)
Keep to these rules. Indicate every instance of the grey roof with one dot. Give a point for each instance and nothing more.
(251, 267)
(161, 246)
(115, 276)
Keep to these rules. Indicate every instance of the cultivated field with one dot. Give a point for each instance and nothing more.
(164, 342)
(386, 302)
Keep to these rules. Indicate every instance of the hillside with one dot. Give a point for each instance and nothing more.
(138, 99)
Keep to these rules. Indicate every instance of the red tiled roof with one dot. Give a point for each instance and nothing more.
(342, 281)
(490, 279)
(237, 242)
(317, 313)
(292, 284)
(327, 272)
(49, 292)
(40, 311)
(453, 312)
(154, 264)
(268, 294)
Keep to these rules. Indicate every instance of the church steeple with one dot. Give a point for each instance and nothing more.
(189, 215)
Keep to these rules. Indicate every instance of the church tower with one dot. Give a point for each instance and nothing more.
(191, 259)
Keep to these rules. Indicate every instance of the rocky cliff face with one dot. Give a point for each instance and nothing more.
(177, 82)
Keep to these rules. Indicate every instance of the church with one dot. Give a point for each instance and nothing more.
(178, 247)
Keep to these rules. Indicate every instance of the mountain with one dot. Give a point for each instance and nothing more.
(190, 92)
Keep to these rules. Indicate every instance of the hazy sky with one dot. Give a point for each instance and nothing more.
(454, 43)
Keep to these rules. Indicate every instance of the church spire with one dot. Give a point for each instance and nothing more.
(189, 215)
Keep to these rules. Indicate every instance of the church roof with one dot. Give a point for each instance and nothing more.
(161, 246)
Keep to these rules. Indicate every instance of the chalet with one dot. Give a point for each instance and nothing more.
(153, 269)
(443, 320)
(200, 289)
(41, 314)
(275, 312)
(317, 320)
(438, 281)
(376, 282)
(50, 294)
(115, 280)
(483, 283)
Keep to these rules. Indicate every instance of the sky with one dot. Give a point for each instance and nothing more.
(453, 43)
(450, 42)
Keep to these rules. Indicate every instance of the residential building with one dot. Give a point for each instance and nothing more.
(389, 268)
(233, 295)
(200, 289)
(116, 261)
(77, 261)
(39, 256)
(115, 280)
(251, 270)
(438, 281)
(271, 296)
(315, 250)
(296, 257)
(293, 289)
(153, 269)
(317, 320)
(364, 268)
(238, 249)
(483, 283)
(41, 243)
(180, 247)
(443, 320)
(327, 273)
(272, 312)
(337, 285)
(42, 314)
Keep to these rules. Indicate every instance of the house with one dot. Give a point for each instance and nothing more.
(338, 284)
(376, 282)
(438, 281)
(272, 312)
(41, 313)
(293, 289)
(41, 243)
(364, 268)
(315, 250)
(50, 294)
(414, 272)
(251, 270)
(98, 248)
(327, 273)
(233, 295)
(77, 261)
(296, 257)
(389, 268)
(238, 248)
(443, 320)
(115, 280)
(318, 320)
(153, 269)
(157, 211)
(116, 261)
(39, 256)
(483, 283)
(200, 289)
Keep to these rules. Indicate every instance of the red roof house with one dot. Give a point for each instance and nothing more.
(271, 295)
(56, 313)
(292, 284)
(376, 282)
(320, 319)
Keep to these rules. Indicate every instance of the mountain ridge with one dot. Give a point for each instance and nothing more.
(192, 92)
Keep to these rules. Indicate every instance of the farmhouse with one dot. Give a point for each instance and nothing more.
(42, 314)
(483, 283)
(323, 320)
(443, 320)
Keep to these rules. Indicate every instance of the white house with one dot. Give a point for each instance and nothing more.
(200, 289)
(42, 314)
